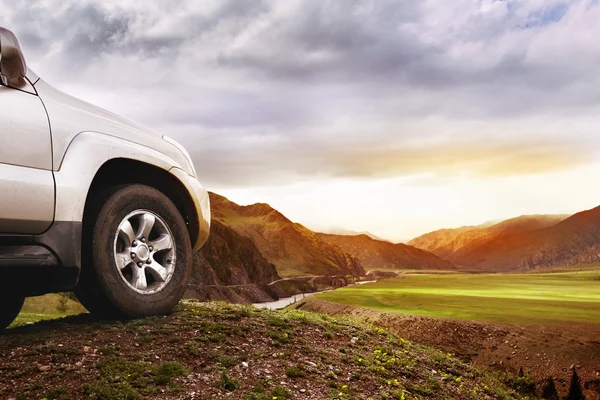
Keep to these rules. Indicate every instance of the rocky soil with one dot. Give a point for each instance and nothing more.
(218, 351)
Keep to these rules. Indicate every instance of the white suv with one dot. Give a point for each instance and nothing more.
(90, 202)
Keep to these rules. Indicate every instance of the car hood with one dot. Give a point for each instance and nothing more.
(70, 116)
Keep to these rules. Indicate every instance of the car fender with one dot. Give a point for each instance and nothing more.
(86, 153)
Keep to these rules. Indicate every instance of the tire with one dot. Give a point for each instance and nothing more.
(11, 306)
(137, 254)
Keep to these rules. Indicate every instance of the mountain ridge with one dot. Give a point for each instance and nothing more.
(294, 249)
(525, 242)
(381, 254)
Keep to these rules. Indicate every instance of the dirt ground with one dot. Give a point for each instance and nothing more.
(543, 350)
(222, 351)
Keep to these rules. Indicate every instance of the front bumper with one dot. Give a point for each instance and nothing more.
(199, 197)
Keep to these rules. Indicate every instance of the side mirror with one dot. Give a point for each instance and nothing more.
(12, 63)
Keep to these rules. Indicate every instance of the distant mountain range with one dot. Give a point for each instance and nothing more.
(338, 230)
(526, 242)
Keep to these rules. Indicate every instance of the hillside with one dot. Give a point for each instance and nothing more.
(522, 243)
(450, 243)
(374, 254)
(293, 249)
(440, 242)
(555, 245)
(214, 351)
(552, 246)
(590, 256)
(230, 267)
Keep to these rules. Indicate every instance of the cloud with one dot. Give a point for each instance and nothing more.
(267, 91)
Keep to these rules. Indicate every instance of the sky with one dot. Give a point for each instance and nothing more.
(394, 117)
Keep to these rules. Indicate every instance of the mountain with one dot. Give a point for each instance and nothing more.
(440, 242)
(230, 267)
(530, 242)
(451, 243)
(294, 249)
(379, 254)
(338, 230)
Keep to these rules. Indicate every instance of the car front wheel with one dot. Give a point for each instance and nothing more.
(140, 256)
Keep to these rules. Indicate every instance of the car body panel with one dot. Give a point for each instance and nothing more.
(27, 199)
(201, 202)
(26, 181)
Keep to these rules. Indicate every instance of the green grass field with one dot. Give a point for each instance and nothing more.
(541, 298)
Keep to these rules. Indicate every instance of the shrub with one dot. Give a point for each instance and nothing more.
(575, 391)
(295, 371)
(228, 384)
(169, 370)
(549, 390)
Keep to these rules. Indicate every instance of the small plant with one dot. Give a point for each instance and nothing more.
(522, 384)
(295, 371)
(109, 350)
(280, 392)
(192, 348)
(227, 384)
(169, 370)
(228, 361)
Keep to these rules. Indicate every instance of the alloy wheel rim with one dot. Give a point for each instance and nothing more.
(144, 252)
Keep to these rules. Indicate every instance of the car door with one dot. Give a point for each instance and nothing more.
(26, 178)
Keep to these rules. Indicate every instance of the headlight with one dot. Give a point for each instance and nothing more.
(184, 151)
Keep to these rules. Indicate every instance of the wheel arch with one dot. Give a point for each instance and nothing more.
(120, 171)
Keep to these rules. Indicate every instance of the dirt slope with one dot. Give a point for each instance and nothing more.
(218, 351)
(374, 254)
(230, 267)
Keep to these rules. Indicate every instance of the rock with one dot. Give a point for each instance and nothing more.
(302, 390)
(45, 368)
(354, 340)
(244, 364)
